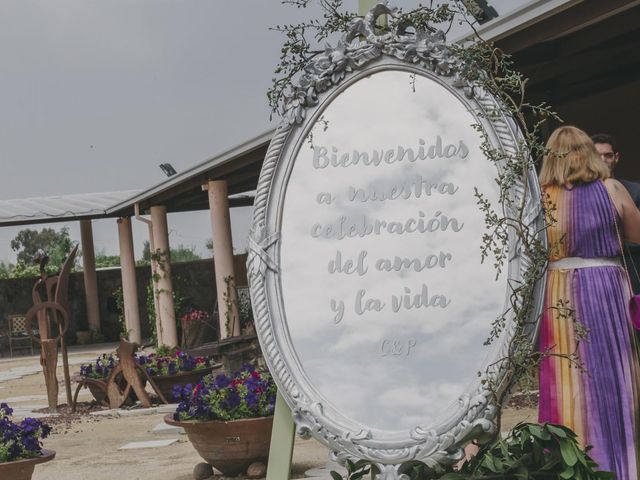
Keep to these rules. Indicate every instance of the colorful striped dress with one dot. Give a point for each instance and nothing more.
(600, 404)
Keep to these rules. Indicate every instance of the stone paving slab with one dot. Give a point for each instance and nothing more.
(106, 413)
(149, 444)
(325, 471)
(16, 373)
(23, 411)
(165, 429)
(24, 398)
(31, 398)
(7, 377)
(136, 412)
(123, 412)
(167, 408)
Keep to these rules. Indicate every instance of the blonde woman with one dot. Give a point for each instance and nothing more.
(585, 277)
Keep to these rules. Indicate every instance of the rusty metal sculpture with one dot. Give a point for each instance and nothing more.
(52, 316)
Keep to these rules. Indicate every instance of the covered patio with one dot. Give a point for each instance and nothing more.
(218, 184)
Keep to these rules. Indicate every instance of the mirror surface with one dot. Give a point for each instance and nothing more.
(386, 300)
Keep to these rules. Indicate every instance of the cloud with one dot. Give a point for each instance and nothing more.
(421, 358)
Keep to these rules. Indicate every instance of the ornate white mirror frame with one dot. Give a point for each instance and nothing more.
(326, 77)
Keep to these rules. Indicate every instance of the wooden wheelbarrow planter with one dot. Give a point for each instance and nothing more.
(124, 378)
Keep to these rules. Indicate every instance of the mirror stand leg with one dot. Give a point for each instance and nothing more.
(282, 436)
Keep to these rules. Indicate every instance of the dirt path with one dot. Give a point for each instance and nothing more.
(88, 448)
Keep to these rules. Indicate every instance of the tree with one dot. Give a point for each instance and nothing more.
(178, 254)
(57, 245)
(103, 260)
(184, 254)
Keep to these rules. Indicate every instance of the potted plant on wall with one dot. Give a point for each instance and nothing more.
(20, 447)
(228, 418)
(197, 328)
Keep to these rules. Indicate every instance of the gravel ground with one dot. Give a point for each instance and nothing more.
(87, 446)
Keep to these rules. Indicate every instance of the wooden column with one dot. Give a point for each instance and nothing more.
(90, 278)
(223, 257)
(168, 334)
(129, 286)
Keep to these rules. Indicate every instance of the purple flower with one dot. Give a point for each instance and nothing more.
(246, 393)
(232, 400)
(222, 381)
(20, 440)
(6, 409)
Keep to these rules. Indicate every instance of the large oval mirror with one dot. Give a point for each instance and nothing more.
(381, 275)
(372, 300)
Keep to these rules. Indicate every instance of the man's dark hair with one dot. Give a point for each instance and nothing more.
(605, 138)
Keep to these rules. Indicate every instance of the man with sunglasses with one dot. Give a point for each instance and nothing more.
(607, 147)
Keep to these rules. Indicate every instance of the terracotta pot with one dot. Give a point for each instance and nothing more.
(23, 469)
(165, 383)
(198, 332)
(229, 446)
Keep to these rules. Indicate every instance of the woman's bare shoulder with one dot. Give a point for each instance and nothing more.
(613, 185)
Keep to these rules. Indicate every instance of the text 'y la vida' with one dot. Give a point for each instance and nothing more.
(406, 300)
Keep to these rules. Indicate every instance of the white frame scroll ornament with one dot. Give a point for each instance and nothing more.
(362, 52)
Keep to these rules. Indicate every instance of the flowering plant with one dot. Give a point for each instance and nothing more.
(101, 368)
(20, 440)
(193, 315)
(248, 393)
(171, 361)
(165, 361)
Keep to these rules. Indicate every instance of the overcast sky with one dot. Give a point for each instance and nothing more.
(95, 94)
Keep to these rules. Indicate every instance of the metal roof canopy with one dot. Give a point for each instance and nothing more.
(25, 211)
(239, 166)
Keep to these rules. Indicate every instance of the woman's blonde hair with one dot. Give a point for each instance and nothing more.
(571, 158)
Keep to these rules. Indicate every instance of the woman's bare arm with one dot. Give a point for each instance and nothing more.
(626, 208)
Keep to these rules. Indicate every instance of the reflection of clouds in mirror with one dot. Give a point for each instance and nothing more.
(366, 394)
(437, 348)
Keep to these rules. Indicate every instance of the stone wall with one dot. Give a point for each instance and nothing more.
(193, 281)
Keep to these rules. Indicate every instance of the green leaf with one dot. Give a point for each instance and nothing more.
(606, 475)
(538, 432)
(362, 471)
(557, 430)
(566, 474)
(568, 452)
(362, 463)
(335, 475)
